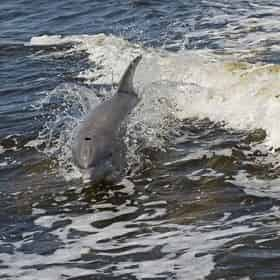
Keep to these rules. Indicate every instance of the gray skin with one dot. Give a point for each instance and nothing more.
(97, 148)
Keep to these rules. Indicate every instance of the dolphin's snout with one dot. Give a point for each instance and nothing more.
(84, 156)
(87, 175)
(94, 174)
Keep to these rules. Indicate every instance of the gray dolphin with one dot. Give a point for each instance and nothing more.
(96, 146)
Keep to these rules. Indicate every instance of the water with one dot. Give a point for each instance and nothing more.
(200, 199)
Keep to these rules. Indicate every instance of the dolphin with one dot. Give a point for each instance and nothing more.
(96, 147)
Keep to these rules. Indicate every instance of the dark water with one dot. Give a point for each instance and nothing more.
(202, 205)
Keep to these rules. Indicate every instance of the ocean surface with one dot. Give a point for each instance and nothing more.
(200, 198)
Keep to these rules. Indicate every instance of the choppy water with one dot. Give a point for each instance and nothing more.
(201, 195)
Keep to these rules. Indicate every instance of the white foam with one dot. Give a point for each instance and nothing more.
(107, 51)
(47, 221)
(2, 149)
(34, 143)
(38, 211)
(258, 187)
(4, 163)
(243, 98)
(45, 40)
(183, 241)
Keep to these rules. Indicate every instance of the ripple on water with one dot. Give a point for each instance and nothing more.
(200, 200)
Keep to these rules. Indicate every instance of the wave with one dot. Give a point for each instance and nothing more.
(178, 86)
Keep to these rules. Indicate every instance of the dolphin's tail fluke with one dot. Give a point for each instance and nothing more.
(126, 82)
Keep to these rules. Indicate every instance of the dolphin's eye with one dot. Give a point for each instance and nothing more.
(87, 138)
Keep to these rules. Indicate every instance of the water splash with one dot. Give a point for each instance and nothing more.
(173, 87)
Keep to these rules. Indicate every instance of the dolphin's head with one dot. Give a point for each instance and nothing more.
(92, 158)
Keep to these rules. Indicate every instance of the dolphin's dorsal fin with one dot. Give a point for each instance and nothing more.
(126, 82)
